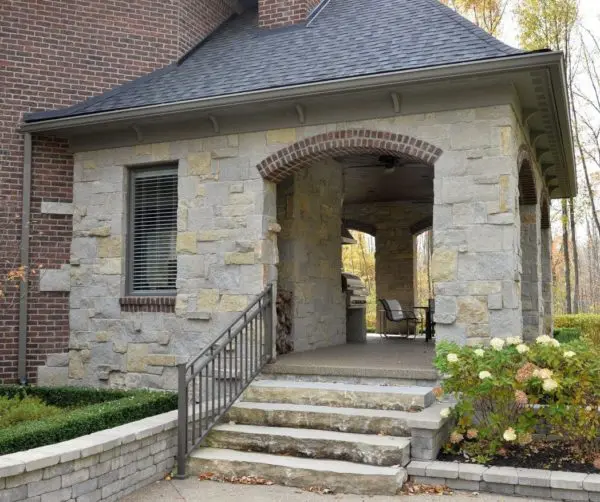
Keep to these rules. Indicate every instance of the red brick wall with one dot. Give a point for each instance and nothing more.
(278, 13)
(54, 53)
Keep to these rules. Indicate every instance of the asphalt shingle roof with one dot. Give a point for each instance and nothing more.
(347, 38)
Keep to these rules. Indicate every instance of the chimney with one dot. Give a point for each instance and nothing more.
(279, 13)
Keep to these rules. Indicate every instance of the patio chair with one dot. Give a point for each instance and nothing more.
(393, 312)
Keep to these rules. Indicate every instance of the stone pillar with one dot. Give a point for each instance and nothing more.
(476, 234)
(394, 264)
(531, 273)
(546, 259)
(309, 210)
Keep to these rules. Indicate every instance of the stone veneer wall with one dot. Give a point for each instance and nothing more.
(546, 257)
(104, 466)
(394, 250)
(476, 262)
(227, 248)
(310, 258)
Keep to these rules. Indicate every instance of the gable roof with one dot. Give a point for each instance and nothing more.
(347, 38)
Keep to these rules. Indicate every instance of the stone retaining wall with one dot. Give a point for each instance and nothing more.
(540, 483)
(104, 466)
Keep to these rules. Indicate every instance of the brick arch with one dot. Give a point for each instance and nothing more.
(303, 153)
(527, 185)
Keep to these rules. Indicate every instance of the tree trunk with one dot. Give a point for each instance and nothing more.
(575, 258)
(565, 230)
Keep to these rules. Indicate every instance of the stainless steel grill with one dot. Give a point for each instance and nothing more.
(356, 307)
(356, 293)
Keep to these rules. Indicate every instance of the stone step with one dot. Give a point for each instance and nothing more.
(343, 395)
(310, 443)
(356, 420)
(336, 475)
(281, 367)
(356, 380)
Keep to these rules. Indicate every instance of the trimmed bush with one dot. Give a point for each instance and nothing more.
(588, 324)
(566, 335)
(64, 397)
(133, 406)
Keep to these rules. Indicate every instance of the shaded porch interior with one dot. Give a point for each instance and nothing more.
(396, 358)
(390, 198)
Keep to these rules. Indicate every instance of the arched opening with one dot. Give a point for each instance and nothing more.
(376, 182)
(529, 210)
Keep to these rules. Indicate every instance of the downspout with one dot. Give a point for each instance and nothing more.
(24, 259)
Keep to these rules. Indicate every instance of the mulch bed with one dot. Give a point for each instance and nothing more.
(551, 455)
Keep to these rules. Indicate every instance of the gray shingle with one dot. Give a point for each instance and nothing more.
(348, 38)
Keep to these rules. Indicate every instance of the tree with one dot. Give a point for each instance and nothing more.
(551, 24)
(487, 14)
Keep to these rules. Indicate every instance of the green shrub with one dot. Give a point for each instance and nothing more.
(16, 410)
(498, 389)
(566, 335)
(64, 397)
(79, 422)
(588, 324)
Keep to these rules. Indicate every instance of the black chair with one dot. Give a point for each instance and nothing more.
(393, 313)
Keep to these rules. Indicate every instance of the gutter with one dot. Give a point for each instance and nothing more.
(469, 69)
(24, 259)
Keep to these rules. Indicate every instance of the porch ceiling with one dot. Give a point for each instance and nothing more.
(367, 181)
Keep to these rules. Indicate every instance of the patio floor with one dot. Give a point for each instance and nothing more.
(378, 358)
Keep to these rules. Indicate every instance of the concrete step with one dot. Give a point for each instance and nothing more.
(340, 395)
(356, 420)
(310, 443)
(339, 476)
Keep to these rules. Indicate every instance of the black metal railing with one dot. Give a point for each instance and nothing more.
(213, 380)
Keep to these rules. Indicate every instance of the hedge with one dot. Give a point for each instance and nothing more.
(566, 335)
(82, 421)
(588, 324)
(65, 397)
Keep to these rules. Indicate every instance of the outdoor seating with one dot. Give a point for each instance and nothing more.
(393, 312)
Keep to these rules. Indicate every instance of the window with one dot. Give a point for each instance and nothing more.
(152, 258)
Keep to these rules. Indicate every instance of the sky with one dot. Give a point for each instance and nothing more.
(589, 12)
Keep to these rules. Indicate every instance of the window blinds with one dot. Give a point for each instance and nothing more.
(153, 231)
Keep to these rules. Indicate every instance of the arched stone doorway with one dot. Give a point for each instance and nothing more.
(377, 180)
(531, 241)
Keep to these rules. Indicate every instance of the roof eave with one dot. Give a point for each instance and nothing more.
(548, 60)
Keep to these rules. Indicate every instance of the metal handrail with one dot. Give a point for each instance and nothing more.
(206, 389)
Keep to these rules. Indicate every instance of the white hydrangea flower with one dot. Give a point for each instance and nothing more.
(522, 348)
(544, 339)
(509, 434)
(497, 343)
(543, 373)
(549, 385)
(569, 354)
(452, 358)
(484, 374)
(479, 352)
(513, 340)
(554, 342)
(445, 413)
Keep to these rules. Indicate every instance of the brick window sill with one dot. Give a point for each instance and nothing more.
(147, 304)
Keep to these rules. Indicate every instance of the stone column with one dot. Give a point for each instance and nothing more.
(546, 258)
(309, 209)
(476, 234)
(531, 273)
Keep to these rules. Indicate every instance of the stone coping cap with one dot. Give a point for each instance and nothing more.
(505, 475)
(13, 464)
